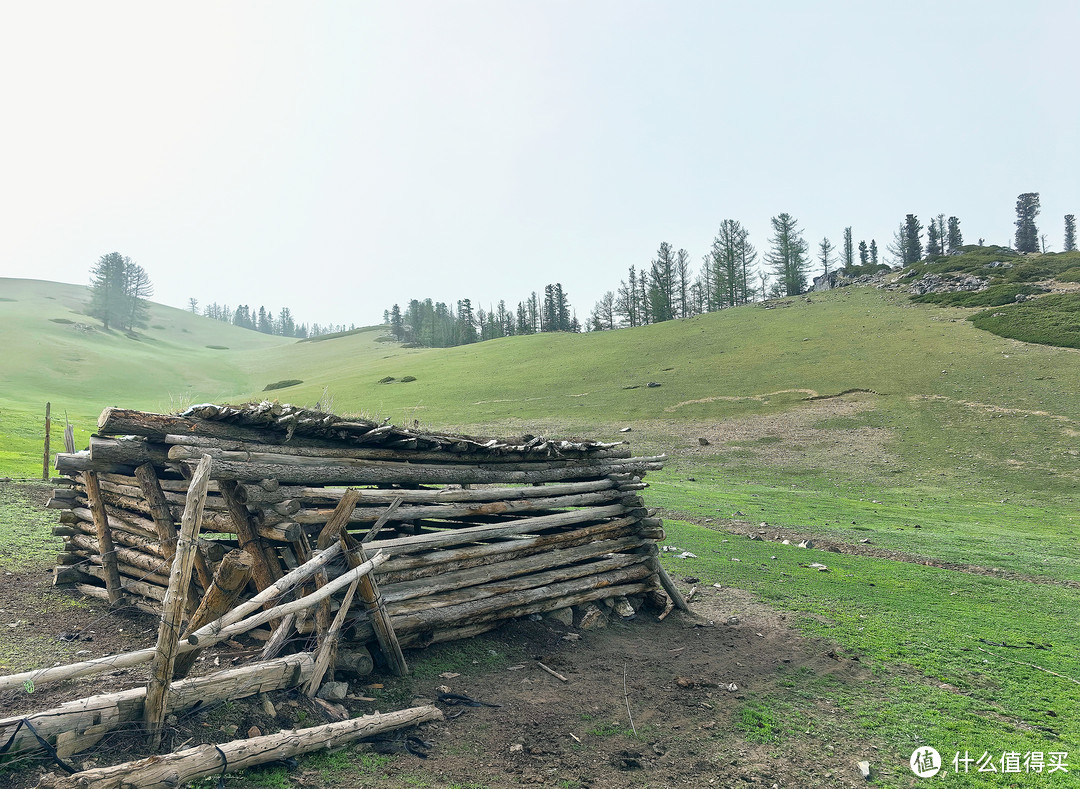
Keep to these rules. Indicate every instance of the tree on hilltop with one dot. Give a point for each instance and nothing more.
(1070, 232)
(119, 288)
(1027, 234)
(788, 255)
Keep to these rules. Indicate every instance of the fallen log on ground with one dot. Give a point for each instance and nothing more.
(171, 770)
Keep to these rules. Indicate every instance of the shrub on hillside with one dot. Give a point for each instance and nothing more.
(282, 384)
(993, 296)
(1051, 320)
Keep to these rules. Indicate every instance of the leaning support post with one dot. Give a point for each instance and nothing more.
(326, 656)
(104, 535)
(669, 585)
(174, 603)
(161, 514)
(373, 602)
(221, 594)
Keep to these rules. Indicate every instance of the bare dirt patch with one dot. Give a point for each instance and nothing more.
(687, 680)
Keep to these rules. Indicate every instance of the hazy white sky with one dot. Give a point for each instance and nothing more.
(336, 157)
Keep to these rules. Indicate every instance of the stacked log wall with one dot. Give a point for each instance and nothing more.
(555, 523)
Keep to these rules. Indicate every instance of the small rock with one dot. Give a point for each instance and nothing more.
(755, 536)
(626, 430)
(623, 608)
(443, 689)
(686, 555)
(732, 620)
(268, 706)
(572, 637)
(865, 541)
(731, 687)
(652, 385)
(333, 691)
(864, 769)
(735, 560)
(449, 675)
(254, 731)
(691, 579)
(563, 616)
(171, 720)
(786, 542)
(821, 568)
(738, 514)
(704, 442)
(592, 617)
(534, 617)
(806, 544)
(517, 747)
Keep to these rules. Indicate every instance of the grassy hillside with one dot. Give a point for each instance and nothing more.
(54, 352)
(941, 459)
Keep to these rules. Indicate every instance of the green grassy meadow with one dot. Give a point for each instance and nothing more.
(852, 415)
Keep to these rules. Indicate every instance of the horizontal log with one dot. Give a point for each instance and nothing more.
(460, 580)
(129, 584)
(127, 451)
(383, 453)
(529, 601)
(465, 509)
(84, 525)
(78, 462)
(504, 588)
(398, 546)
(254, 495)
(135, 558)
(421, 565)
(101, 593)
(367, 473)
(126, 522)
(77, 725)
(170, 770)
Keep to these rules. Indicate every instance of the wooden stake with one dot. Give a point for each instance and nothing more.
(104, 535)
(48, 428)
(163, 519)
(174, 603)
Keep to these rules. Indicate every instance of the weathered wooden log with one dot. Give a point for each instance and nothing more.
(355, 660)
(422, 565)
(99, 593)
(482, 623)
(265, 571)
(72, 464)
(255, 495)
(104, 536)
(68, 575)
(421, 542)
(171, 770)
(501, 587)
(173, 606)
(376, 606)
(119, 520)
(326, 655)
(367, 473)
(127, 451)
(163, 518)
(508, 605)
(216, 445)
(465, 510)
(669, 585)
(231, 576)
(84, 525)
(131, 585)
(273, 458)
(77, 725)
(445, 583)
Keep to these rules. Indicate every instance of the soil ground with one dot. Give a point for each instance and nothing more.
(685, 681)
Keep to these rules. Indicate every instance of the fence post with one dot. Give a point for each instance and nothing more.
(48, 427)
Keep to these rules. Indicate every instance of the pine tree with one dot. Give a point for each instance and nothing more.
(661, 281)
(955, 239)
(397, 325)
(1070, 232)
(193, 305)
(847, 260)
(1027, 234)
(119, 288)
(913, 249)
(788, 255)
(681, 286)
(933, 241)
(873, 252)
(825, 254)
(864, 254)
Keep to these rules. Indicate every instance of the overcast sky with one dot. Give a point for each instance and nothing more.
(337, 157)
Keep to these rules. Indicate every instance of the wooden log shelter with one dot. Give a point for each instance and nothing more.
(473, 532)
(334, 542)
